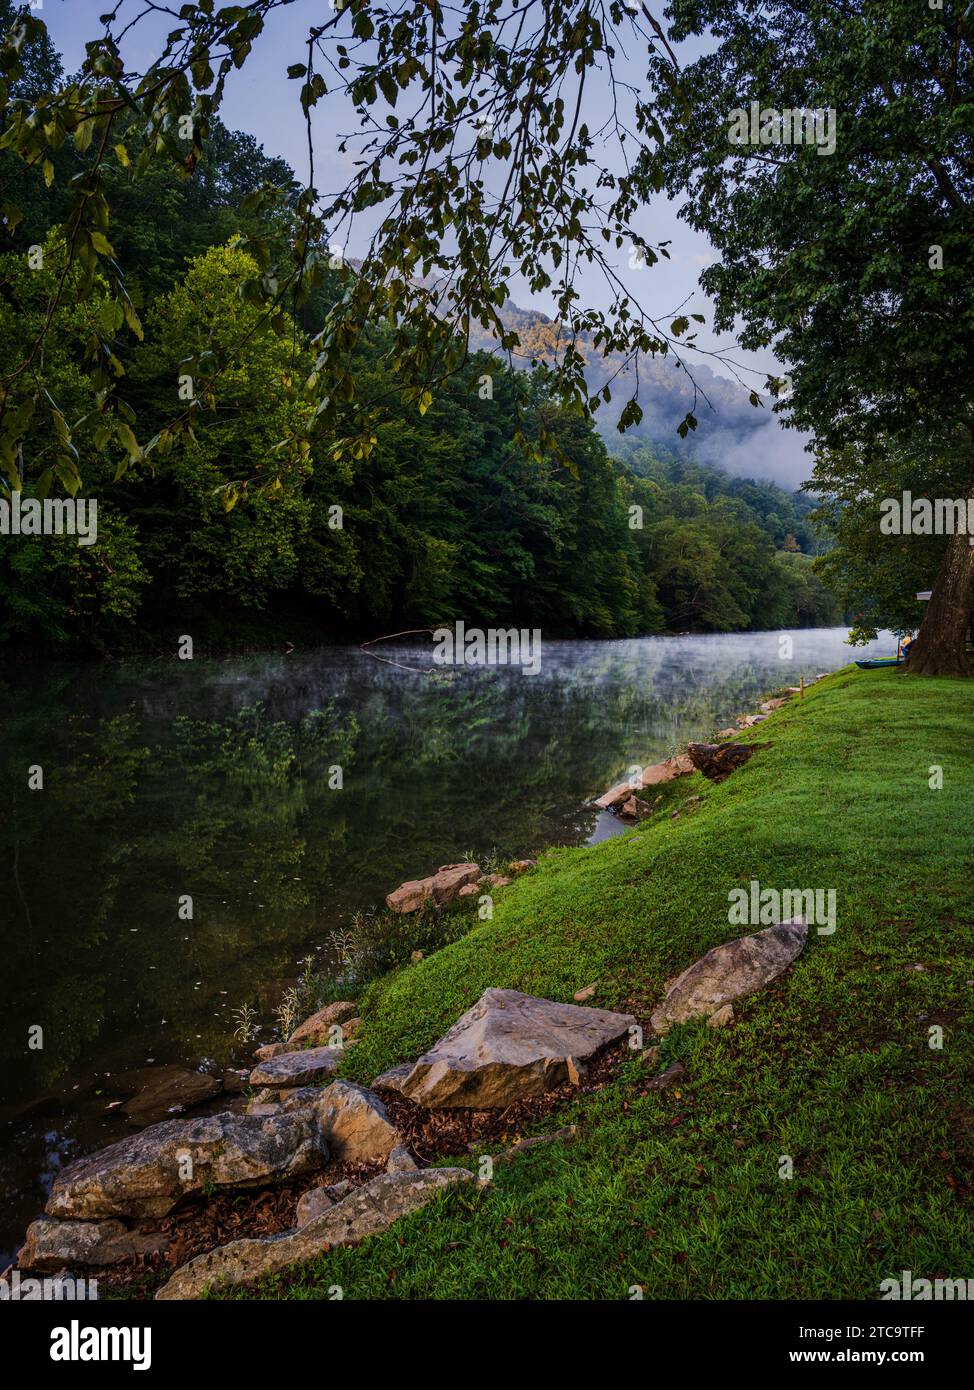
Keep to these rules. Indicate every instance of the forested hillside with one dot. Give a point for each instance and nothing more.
(446, 517)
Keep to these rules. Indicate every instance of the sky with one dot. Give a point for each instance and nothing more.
(262, 101)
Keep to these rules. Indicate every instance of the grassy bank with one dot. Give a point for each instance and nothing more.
(678, 1191)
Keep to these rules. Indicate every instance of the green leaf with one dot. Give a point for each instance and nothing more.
(127, 438)
(101, 244)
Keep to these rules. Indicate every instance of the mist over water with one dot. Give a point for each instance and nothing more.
(212, 778)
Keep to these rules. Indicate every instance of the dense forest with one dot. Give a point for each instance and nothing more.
(445, 517)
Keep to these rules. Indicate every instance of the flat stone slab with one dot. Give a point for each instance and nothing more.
(366, 1211)
(615, 796)
(730, 972)
(146, 1175)
(50, 1245)
(297, 1068)
(508, 1047)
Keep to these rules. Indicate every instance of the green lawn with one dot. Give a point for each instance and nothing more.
(679, 1191)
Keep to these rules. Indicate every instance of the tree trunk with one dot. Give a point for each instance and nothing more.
(939, 649)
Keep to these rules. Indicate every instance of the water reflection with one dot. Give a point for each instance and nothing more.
(216, 779)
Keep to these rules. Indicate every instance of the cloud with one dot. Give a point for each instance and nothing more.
(767, 451)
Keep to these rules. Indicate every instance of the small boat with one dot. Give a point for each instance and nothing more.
(878, 661)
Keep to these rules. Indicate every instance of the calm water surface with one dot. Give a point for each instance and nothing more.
(213, 778)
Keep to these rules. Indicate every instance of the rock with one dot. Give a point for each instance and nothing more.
(727, 733)
(508, 1047)
(410, 896)
(523, 1145)
(450, 878)
(497, 880)
(257, 1104)
(297, 1068)
(416, 956)
(675, 1072)
(390, 1080)
(316, 1030)
(368, 1210)
(679, 765)
(440, 888)
(299, 1098)
(769, 706)
(615, 796)
(469, 890)
(172, 1091)
(350, 1027)
(312, 1204)
(520, 866)
(269, 1050)
(401, 1160)
(722, 1017)
(581, 995)
(718, 760)
(729, 972)
(634, 809)
(235, 1081)
(337, 1190)
(147, 1174)
(355, 1124)
(50, 1243)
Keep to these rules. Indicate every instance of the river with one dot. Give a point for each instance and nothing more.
(216, 780)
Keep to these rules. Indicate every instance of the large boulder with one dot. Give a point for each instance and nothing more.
(718, 760)
(50, 1245)
(729, 972)
(147, 1174)
(508, 1047)
(366, 1211)
(410, 896)
(297, 1068)
(355, 1124)
(440, 888)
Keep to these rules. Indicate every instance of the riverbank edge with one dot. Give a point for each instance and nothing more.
(806, 800)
